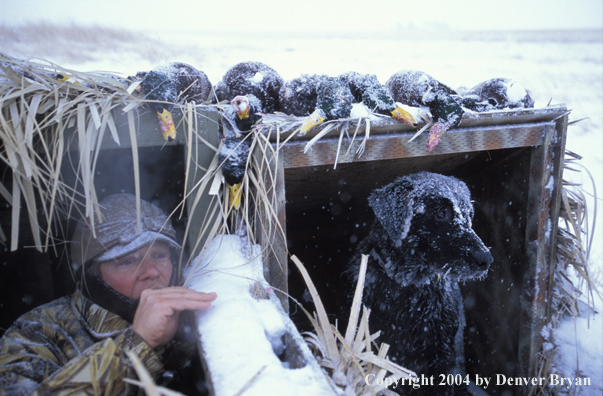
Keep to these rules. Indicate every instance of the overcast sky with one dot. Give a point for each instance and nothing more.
(309, 15)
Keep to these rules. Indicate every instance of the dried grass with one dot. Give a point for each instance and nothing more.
(36, 110)
(38, 113)
(290, 127)
(574, 242)
(349, 359)
(146, 381)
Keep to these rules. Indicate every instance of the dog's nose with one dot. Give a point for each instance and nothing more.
(483, 258)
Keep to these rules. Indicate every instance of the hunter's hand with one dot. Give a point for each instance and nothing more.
(156, 318)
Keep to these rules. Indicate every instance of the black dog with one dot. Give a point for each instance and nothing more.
(420, 247)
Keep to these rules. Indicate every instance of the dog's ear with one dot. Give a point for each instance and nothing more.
(392, 205)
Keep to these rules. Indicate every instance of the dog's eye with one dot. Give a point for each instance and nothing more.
(444, 214)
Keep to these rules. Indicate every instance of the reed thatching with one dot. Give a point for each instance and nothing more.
(46, 110)
(36, 109)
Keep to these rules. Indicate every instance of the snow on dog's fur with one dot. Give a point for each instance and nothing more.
(420, 247)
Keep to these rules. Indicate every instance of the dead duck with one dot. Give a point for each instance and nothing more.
(252, 78)
(367, 89)
(172, 83)
(298, 96)
(333, 101)
(415, 88)
(236, 144)
(497, 94)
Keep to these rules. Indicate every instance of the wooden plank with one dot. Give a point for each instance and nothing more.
(270, 231)
(396, 145)
(543, 209)
(200, 215)
(148, 132)
(491, 118)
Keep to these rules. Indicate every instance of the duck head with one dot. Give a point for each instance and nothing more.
(240, 105)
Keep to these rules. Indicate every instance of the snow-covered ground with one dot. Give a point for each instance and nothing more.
(555, 66)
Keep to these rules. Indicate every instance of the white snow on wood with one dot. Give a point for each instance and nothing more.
(241, 336)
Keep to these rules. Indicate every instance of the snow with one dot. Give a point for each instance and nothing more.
(359, 110)
(239, 334)
(515, 91)
(257, 78)
(580, 342)
(561, 68)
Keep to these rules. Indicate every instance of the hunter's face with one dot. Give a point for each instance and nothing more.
(149, 267)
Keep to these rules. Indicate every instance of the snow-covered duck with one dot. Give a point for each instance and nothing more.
(236, 143)
(367, 89)
(333, 101)
(298, 96)
(233, 159)
(252, 89)
(169, 84)
(496, 94)
(252, 78)
(415, 88)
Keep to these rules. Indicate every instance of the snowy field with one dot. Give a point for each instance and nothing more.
(557, 67)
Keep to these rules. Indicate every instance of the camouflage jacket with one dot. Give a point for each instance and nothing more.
(73, 346)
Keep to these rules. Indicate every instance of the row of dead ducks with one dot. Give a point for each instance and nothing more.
(254, 88)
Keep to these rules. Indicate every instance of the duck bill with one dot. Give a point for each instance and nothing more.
(311, 121)
(243, 113)
(234, 196)
(66, 78)
(435, 133)
(166, 122)
(403, 115)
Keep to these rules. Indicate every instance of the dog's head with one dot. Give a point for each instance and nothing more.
(426, 218)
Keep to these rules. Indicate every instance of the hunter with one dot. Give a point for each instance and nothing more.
(128, 299)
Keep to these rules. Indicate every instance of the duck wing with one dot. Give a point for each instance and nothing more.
(298, 96)
(409, 87)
